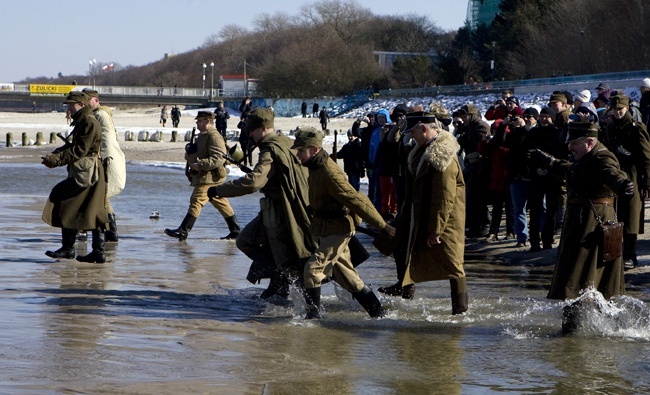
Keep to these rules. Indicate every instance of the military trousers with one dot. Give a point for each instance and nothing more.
(200, 197)
(332, 259)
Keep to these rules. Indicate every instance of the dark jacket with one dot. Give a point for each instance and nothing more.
(221, 119)
(352, 155)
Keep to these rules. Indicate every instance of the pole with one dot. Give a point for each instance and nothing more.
(212, 80)
(245, 81)
(203, 83)
(492, 63)
(582, 50)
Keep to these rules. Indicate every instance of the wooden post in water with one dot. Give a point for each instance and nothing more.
(52, 137)
(10, 139)
(174, 136)
(39, 138)
(25, 140)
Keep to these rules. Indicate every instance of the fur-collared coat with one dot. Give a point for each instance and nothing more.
(434, 203)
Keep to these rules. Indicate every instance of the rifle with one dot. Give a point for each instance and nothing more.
(190, 148)
(334, 148)
(67, 143)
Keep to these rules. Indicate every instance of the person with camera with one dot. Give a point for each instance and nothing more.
(594, 179)
(630, 142)
(78, 202)
(206, 159)
(498, 110)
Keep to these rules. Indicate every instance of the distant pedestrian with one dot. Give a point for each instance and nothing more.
(314, 110)
(163, 116)
(221, 120)
(176, 116)
(352, 155)
(324, 118)
(303, 109)
(33, 107)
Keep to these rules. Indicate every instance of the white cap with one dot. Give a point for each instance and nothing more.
(645, 83)
(584, 96)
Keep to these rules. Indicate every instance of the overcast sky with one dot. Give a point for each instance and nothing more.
(45, 37)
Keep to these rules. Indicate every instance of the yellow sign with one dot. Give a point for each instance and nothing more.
(49, 90)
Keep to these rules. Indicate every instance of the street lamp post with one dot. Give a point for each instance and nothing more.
(91, 71)
(212, 80)
(494, 43)
(582, 50)
(203, 84)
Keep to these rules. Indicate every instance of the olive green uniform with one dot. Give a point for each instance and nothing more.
(595, 176)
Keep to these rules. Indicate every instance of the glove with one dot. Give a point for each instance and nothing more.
(389, 230)
(47, 161)
(540, 156)
(627, 189)
(212, 192)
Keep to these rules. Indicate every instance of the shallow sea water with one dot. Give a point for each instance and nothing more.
(168, 317)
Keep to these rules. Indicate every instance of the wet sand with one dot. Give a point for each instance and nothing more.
(169, 317)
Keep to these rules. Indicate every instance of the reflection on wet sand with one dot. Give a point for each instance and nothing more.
(169, 317)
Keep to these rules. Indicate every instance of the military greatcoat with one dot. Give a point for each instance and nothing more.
(596, 175)
(70, 206)
(434, 203)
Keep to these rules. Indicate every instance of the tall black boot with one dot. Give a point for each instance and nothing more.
(399, 254)
(181, 232)
(97, 255)
(111, 232)
(370, 303)
(312, 297)
(68, 238)
(629, 251)
(459, 300)
(279, 285)
(233, 227)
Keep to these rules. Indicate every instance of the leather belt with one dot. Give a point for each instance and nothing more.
(600, 200)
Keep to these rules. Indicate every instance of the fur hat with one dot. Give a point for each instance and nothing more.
(205, 115)
(417, 117)
(90, 92)
(619, 101)
(557, 97)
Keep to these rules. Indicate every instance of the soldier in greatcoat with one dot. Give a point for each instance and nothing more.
(432, 218)
(79, 201)
(629, 141)
(278, 240)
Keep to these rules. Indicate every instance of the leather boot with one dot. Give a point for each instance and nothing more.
(97, 255)
(233, 227)
(279, 285)
(181, 232)
(111, 233)
(370, 303)
(312, 298)
(68, 238)
(459, 299)
(571, 318)
(408, 291)
(393, 290)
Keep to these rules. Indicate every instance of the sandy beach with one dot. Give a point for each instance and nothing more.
(133, 120)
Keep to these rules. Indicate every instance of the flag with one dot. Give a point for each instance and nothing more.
(105, 67)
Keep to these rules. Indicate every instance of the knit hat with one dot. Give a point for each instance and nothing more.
(550, 112)
(531, 111)
(584, 96)
(400, 109)
(512, 99)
